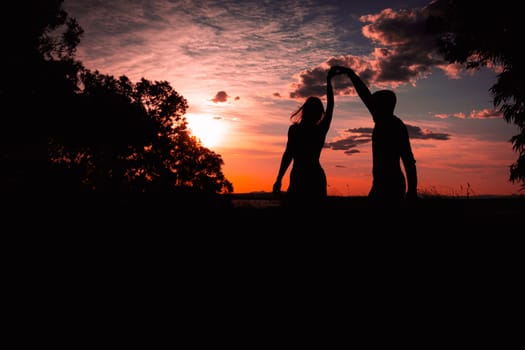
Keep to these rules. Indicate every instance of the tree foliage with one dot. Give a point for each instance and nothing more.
(65, 127)
(477, 35)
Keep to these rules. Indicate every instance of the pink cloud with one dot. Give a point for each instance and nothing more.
(485, 114)
(220, 96)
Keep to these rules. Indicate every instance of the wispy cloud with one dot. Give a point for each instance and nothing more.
(474, 114)
(485, 114)
(415, 132)
(358, 136)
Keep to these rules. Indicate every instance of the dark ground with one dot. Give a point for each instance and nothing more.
(434, 243)
(256, 212)
(427, 213)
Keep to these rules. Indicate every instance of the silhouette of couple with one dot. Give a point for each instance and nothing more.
(390, 146)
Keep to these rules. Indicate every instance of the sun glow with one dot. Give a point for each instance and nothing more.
(208, 129)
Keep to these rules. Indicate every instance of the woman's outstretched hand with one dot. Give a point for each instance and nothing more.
(333, 71)
(340, 70)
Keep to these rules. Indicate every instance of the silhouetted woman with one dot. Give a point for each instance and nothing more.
(306, 138)
(390, 146)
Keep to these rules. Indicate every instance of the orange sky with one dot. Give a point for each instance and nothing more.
(459, 166)
(245, 66)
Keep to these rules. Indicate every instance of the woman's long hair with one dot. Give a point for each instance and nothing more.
(311, 112)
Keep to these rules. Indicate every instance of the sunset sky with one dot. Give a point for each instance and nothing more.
(244, 66)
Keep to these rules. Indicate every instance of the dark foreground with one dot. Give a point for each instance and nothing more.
(424, 214)
(245, 236)
(453, 259)
(260, 212)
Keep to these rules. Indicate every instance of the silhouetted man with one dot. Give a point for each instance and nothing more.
(390, 145)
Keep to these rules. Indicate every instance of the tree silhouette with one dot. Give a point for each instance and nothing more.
(482, 34)
(134, 138)
(66, 128)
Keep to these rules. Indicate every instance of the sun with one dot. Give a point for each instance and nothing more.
(208, 129)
